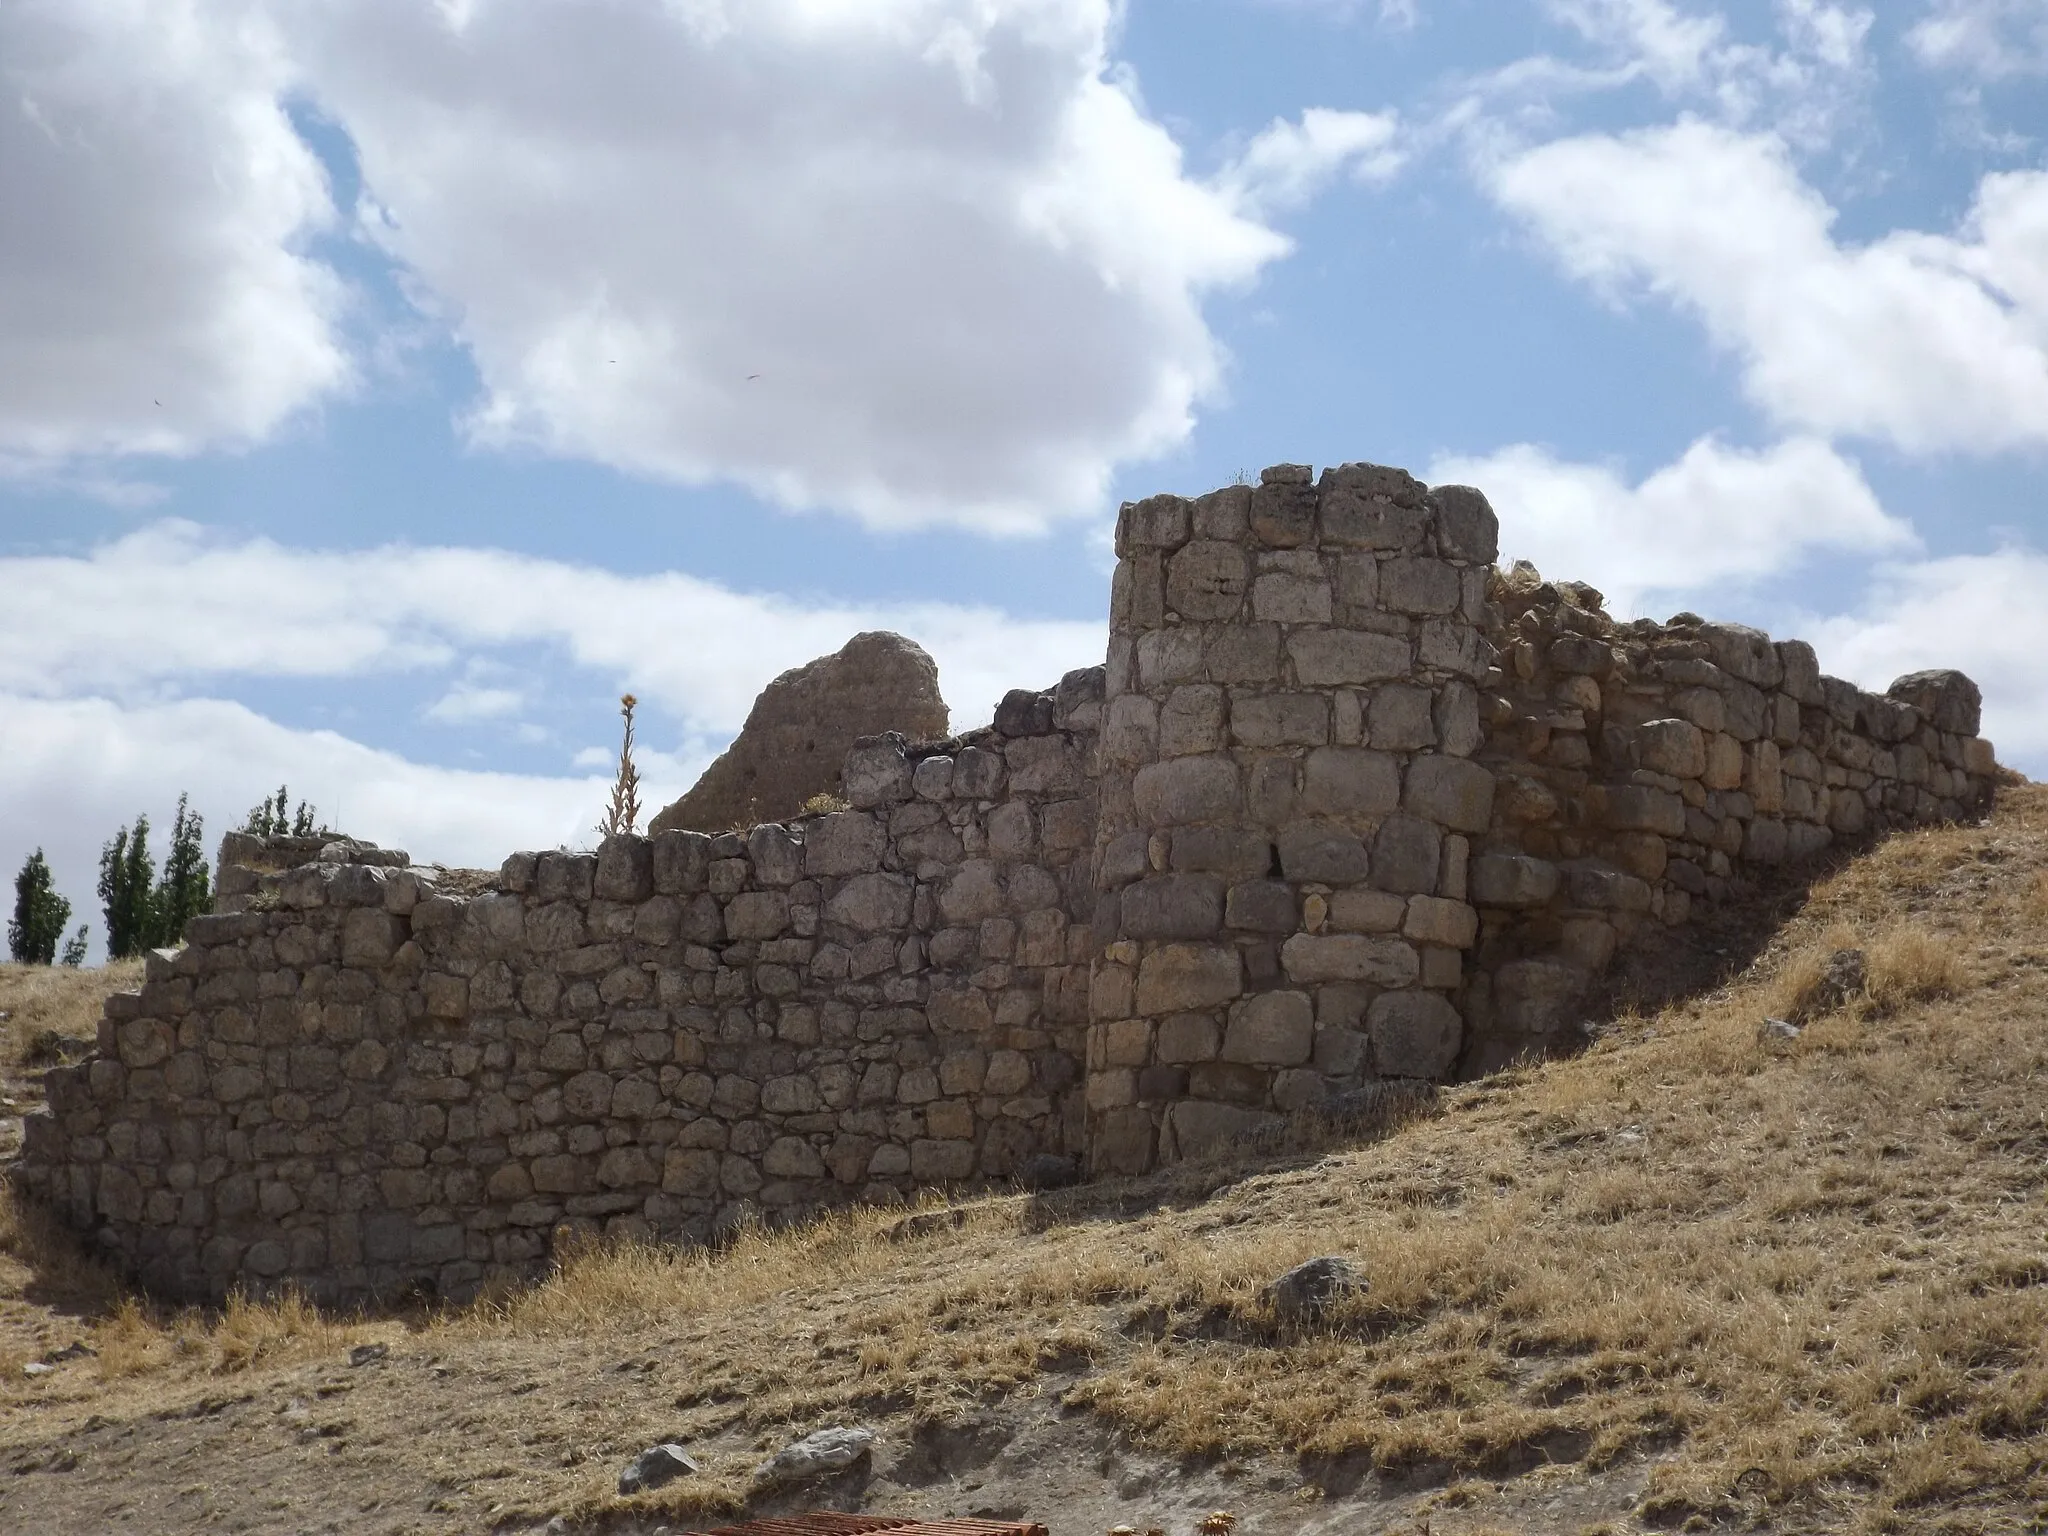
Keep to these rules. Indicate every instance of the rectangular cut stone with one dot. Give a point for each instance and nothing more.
(1184, 790)
(1274, 1029)
(1351, 782)
(1280, 719)
(1432, 920)
(1637, 808)
(1290, 599)
(1327, 657)
(1311, 957)
(1177, 978)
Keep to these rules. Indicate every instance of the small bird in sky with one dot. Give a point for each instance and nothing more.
(156, 402)
(752, 376)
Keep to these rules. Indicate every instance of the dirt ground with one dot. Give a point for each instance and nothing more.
(1702, 1276)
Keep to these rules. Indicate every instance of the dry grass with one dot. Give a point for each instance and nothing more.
(1806, 1277)
(41, 1005)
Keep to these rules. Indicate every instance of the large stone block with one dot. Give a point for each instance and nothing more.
(1433, 920)
(1407, 855)
(1274, 1029)
(370, 937)
(874, 903)
(1280, 719)
(1262, 906)
(1311, 957)
(1418, 585)
(1677, 748)
(1372, 506)
(1179, 978)
(1322, 852)
(1350, 783)
(1401, 718)
(1947, 699)
(1637, 808)
(877, 772)
(625, 869)
(1186, 789)
(1283, 514)
(1329, 657)
(1451, 791)
(1173, 907)
(1191, 720)
(1466, 526)
(756, 915)
(844, 843)
(1414, 1034)
(1207, 580)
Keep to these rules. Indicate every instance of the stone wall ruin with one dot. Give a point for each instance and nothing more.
(1346, 806)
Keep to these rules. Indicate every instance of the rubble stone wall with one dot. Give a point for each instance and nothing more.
(1645, 767)
(1347, 810)
(367, 1077)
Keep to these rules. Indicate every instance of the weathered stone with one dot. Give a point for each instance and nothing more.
(1173, 907)
(1307, 1291)
(1674, 747)
(1325, 657)
(1407, 855)
(1322, 852)
(1186, 789)
(1949, 700)
(803, 725)
(656, 1467)
(1414, 1034)
(1180, 977)
(1466, 526)
(1349, 957)
(1450, 791)
(1208, 580)
(1350, 782)
(1274, 1029)
(825, 1450)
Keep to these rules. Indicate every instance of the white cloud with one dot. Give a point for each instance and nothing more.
(1927, 341)
(1805, 85)
(169, 607)
(924, 260)
(1287, 164)
(1982, 614)
(1714, 517)
(154, 298)
(1996, 39)
(466, 703)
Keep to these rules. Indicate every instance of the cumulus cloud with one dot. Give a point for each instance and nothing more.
(1995, 39)
(156, 299)
(1287, 164)
(170, 607)
(1980, 613)
(1926, 341)
(1715, 516)
(922, 260)
(1804, 84)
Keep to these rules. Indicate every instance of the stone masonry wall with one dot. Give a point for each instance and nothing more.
(1644, 767)
(367, 1077)
(1346, 806)
(1287, 798)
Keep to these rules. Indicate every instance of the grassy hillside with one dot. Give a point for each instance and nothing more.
(1699, 1277)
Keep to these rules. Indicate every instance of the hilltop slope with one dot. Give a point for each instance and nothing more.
(1698, 1275)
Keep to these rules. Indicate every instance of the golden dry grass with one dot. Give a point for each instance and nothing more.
(1806, 1277)
(45, 1003)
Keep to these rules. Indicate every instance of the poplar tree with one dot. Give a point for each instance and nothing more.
(128, 892)
(39, 914)
(185, 890)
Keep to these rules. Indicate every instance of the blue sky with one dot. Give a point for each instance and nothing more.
(390, 385)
